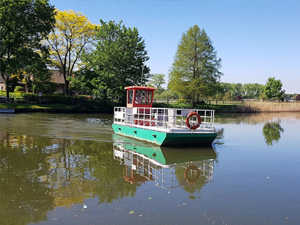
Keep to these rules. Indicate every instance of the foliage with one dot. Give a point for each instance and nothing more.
(252, 90)
(118, 61)
(44, 87)
(227, 96)
(195, 70)
(297, 98)
(166, 94)
(262, 96)
(73, 33)
(273, 89)
(247, 91)
(157, 80)
(23, 25)
(19, 89)
(272, 132)
(238, 98)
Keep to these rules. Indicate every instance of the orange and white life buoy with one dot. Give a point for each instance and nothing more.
(191, 174)
(188, 124)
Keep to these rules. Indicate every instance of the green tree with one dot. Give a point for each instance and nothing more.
(227, 96)
(73, 33)
(157, 81)
(252, 90)
(23, 24)
(237, 89)
(195, 70)
(226, 87)
(166, 94)
(118, 61)
(273, 89)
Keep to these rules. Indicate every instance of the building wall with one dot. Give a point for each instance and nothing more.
(2, 87)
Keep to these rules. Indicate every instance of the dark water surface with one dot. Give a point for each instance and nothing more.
(72, 169)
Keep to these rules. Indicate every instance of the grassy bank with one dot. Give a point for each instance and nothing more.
(56, 108)
(243, 107)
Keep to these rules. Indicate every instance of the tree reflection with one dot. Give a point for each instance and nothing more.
(23, 198)
(272, 132)
(38, 174)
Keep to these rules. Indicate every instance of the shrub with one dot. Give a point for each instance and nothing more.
(44, 87)
(30, 97)
(238, 98)
(183, 100)
(19, 89)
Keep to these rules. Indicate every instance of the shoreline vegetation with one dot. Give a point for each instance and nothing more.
(235, 107)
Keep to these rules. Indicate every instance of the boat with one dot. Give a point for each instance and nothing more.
(167, 167)
(162, 126)
(7, 111)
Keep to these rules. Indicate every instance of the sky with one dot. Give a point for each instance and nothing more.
(254, 39)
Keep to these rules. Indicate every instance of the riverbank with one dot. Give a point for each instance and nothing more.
(57, 108)
(260, 107)
(243, 107)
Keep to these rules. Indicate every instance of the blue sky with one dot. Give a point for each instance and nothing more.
(255, 39)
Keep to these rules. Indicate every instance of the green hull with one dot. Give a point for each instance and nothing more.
(165, 155)
(165, 139)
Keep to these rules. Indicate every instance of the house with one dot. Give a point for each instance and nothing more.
(2, 84)
(56, 77)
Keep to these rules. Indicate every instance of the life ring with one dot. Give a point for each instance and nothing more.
(193, 179)
(188, 120)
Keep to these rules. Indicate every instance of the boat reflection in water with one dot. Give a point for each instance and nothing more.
(167, 167)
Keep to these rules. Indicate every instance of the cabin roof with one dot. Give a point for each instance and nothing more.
(140, 87)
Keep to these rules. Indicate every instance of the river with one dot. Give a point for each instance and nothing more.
(72, 169)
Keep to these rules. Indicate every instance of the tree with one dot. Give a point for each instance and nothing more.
(273, 89)
(118, 61)
(227, 96)
(252, 90)
(166, 94)
(23, 24)
(73, 33)
(157, 81)
(237, 89)
(195, 70)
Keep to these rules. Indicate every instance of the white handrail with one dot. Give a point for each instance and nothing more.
(162, 118)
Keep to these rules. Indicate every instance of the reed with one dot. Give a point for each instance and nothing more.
(269, 107)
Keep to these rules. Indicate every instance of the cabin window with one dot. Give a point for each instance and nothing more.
(130, 96)
(143, 97)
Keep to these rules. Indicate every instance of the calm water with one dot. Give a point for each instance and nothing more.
(72, 169)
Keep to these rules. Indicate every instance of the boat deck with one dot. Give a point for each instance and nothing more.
(167, 120)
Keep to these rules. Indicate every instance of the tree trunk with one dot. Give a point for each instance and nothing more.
(193, 100)
(105, 96)
(67, 87)
(7, 88)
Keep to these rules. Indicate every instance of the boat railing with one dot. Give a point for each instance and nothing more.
(165, 176)
(163, 118)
